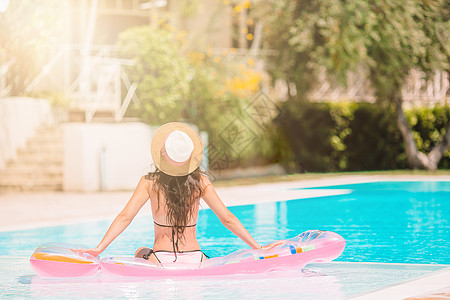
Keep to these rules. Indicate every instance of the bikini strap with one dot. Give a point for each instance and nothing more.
(170, 226)
(146, 256)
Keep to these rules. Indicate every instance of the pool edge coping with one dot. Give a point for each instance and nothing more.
(415, 287)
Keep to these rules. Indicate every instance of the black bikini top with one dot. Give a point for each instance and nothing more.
(171, 226)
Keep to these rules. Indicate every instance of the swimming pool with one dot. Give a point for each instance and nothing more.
(396, 222)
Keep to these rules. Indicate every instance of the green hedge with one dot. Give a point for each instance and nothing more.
(321, 137)
(306, 129)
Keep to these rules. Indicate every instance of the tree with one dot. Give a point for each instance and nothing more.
(29, 32)
(160, 70)
(175, 83)
(390, 38)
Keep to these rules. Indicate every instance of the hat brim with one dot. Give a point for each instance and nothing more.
(165, 166)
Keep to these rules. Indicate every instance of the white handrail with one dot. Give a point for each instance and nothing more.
(121, 111)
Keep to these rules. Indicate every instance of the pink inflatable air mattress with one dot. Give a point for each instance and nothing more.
(57, 260)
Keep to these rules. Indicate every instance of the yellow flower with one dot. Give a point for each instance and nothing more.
(244, 84)
(249, 36)
(217, 59)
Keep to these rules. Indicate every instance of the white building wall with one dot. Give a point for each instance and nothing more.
(105, 156)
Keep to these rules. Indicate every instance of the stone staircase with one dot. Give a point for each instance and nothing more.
(37, 167)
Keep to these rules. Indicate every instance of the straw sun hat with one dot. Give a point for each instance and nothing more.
(177, 150)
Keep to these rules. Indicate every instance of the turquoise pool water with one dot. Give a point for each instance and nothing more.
(396, 222)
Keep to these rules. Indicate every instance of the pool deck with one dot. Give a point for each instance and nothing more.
(31, 210)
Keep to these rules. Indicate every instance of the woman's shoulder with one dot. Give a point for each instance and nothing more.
(205, 181)
(147, 181)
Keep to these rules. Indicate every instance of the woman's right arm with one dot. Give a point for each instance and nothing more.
(228, 219)
(123, 219)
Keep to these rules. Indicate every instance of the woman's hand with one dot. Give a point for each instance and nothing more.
(271, 245)
(92, 251)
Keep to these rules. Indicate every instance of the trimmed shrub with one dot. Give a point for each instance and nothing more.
(348, 136)
(307, 128)
(375, 143)
(429, 124)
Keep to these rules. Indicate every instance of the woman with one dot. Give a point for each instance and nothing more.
(174, 190)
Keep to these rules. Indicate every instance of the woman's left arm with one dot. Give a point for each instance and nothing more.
(124, 218)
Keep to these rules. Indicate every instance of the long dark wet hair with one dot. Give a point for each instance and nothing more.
(181, 194)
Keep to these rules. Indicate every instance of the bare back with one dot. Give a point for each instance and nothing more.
(163, 234)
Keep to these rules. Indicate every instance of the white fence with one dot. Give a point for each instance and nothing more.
(417, 89)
